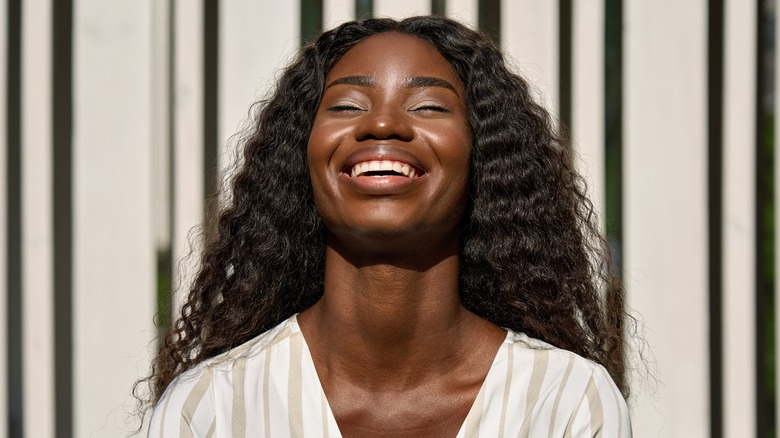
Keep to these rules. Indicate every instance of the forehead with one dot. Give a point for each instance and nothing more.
(393, 53)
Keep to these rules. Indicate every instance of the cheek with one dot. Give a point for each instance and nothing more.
(452, 198)
(314, 148)
(458, 154)
(460, 161)
(324, 140)
(317, 158)
(327, 132)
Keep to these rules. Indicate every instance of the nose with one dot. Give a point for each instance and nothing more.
(383, 124)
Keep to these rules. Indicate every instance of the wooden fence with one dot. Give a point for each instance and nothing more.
(117, 113)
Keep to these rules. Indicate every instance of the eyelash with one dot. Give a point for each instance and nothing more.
(434, 108)
(339, 108)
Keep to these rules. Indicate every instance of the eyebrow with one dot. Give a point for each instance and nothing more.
(415, 82)
(427, 81)
(362, 81)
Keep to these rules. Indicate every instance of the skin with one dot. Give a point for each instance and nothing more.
(396, 352)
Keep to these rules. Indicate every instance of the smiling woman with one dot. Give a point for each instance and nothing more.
(392, 100)
(408, 252)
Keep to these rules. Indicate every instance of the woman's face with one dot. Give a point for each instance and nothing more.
(389, 149)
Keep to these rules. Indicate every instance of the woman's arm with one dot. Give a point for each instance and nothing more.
(601, 412)
(186, 409)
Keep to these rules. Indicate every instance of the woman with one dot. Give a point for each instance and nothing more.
(407, 252)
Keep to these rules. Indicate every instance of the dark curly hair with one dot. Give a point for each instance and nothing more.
(532, 258)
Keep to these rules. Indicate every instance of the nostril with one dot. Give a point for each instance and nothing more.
(384, 126)
(375, 136)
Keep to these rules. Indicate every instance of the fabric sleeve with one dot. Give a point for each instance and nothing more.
(186, 409)
(602, 411)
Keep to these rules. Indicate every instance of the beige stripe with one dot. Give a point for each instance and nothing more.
(325, 418)
(507, 386)
(474, 417)
(596, 409)
(561, 388)
(164, 415)
(570, 425)
(232, 354)
(618, 406)
(238, 420)
(266, 394)
(294, 402)
(534, 388)
(192, 402)
(184, 429)
(212, 429)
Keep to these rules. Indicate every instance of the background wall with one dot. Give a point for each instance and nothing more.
(118, 121)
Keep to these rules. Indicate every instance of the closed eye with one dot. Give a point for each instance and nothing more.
(434, 108)
(344, 108)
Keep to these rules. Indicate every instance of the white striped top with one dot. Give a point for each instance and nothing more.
(268, 387)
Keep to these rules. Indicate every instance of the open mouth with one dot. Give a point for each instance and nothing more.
(380, 168)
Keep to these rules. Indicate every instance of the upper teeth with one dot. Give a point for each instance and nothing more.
(386, 166)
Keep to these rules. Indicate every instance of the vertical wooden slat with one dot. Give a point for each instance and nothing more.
(715, 197)
(765, 208)
(529, 34)
(211, 103)
(3, 222)
(62, 190)
(463, 10)
(114, 254)
(188, 142)
(335, 12)
(37, 306)
(439, 7)
(401, 8)
(162, 151)
(777, 226)
(256, 40)
(587, 128)
(161, 123)
(14, 365)
(665, 168)
(364, 8)
(739, 353)
(310, 19)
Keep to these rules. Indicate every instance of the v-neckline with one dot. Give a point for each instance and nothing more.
(475, 411)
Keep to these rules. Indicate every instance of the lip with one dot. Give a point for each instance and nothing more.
(382, 185)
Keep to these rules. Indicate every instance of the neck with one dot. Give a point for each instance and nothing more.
(395, 320)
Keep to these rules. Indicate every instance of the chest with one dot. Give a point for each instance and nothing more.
(427, 411)
(279, 393)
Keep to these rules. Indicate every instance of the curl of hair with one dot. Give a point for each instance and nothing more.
(532, 258)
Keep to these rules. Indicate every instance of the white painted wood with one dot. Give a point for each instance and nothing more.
(256, 40)
(401, 8)
(114, 254)
(463, 10)
(37, 244)
(587, 121)
(3, 224)
(335, 12)
(739, 352)
(161, 123)
(529, 36)
(188, 144)
(665, 209)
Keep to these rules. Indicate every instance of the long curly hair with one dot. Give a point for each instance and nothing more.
(532, 258)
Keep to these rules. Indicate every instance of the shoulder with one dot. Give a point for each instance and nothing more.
(549, 365)
(193, 402)
(558, 391)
